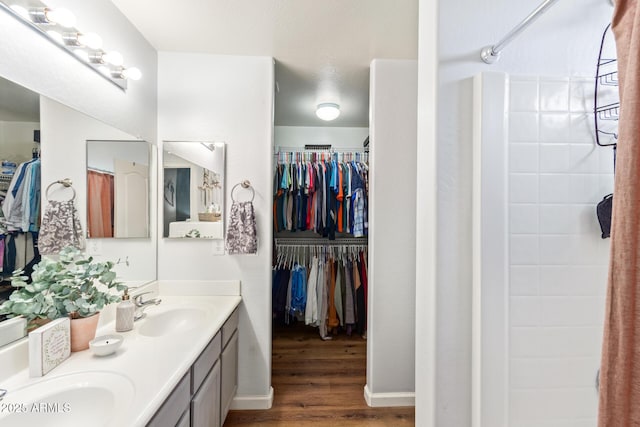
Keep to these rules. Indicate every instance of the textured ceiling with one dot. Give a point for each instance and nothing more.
(322, 48)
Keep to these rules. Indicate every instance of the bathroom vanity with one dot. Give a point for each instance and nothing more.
(178, 366)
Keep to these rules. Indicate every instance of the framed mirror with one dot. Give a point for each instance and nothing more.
(192, 189)
(118, 189)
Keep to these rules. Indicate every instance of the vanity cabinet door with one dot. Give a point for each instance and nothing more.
(185, 421)
(205, 404)
(171, 411)
(229, 361)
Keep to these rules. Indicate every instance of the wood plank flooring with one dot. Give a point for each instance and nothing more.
(319, 383)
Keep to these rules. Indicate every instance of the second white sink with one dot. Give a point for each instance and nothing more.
(171, 321)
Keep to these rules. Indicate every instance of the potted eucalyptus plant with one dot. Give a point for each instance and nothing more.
(73, 285)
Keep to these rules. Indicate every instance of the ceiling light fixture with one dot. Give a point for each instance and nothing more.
(58, 25)
(328, 111)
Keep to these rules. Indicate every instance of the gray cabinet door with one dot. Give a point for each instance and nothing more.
(174, 406)
(205, 404)
(229, 360)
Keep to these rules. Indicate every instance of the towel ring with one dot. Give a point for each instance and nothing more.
(244, 184)
(65, 183)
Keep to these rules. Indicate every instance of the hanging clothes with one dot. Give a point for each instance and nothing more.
(21, 206)
(322, 192)
(326, 289)
(20, 217)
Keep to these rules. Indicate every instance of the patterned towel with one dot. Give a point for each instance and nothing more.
(60, 227)
(242, 237)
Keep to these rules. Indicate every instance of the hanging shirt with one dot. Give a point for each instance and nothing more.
(311, 308)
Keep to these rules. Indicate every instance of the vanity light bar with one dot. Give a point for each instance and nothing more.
(58, 25)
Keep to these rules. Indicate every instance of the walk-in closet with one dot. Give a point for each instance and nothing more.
(321, 227)
(19, 181)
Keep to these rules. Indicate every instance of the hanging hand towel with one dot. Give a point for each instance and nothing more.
(60, 227)
(242, 237)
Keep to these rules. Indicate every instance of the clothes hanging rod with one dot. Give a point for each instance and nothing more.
(314, 150)
(292, 241)
(491, 54)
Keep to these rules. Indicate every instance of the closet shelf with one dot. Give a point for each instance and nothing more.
(292, 241)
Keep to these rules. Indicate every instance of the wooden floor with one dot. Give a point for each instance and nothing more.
(319, 383)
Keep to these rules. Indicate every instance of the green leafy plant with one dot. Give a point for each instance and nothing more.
(73, 285)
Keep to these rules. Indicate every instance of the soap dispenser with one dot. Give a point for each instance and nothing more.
(124, 313)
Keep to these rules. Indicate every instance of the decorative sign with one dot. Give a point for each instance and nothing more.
(49, 346)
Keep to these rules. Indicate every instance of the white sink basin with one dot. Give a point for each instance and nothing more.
(171, 321)
(91, 398)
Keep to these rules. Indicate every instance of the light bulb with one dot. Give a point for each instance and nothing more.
(24, 13)
(56, 36)
(113, 58)
(328, 111)
(90, 40)
(132, 73)
(82, 54)
(62, 17)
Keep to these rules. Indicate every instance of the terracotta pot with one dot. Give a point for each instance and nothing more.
(83, 330)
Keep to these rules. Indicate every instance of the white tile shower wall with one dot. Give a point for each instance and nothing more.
(558, 262)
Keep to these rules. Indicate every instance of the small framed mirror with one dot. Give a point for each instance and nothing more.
(118, 196)
(193, 189)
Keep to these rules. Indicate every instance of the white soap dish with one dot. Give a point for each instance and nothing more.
(106, 344)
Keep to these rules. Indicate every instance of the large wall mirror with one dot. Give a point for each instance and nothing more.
(192, 192)
(19, 127)
(118, 189)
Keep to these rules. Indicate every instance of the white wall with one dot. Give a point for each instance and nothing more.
(426, 216)
(338, 137)
(16, 140)
(64, 155)
(230, 99)
(103, 153)
(392, 213)
(564, 42)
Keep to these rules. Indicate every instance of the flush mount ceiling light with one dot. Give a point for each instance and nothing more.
(328, 111)
(58, 25)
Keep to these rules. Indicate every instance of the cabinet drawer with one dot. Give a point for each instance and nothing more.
(205, 362)
(174, 407)
(229, 327)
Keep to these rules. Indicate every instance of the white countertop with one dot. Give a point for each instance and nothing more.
(154, 365)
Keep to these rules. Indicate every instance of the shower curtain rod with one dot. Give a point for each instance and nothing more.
(490, 54)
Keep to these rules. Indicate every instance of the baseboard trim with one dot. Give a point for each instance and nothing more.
(253, 402)
(382, 400)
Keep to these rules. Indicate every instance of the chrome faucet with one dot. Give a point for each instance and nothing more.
(141, 305)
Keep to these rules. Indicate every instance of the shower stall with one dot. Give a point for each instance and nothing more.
(540, 264)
